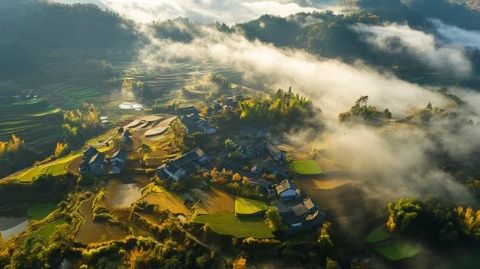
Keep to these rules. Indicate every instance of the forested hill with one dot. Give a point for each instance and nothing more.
(35, 32)
(463, 13)
(333, 36)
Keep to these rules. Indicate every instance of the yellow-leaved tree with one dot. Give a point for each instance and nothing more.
(60, 149)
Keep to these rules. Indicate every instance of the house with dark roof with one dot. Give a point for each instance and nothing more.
(89, 153)
(183, 166)
(301, 216)
(286, 190)
(118, 160)
(277, 154)
(92, 162)
(126, 136)
(186, 110)
(193, 123)
(97, 165)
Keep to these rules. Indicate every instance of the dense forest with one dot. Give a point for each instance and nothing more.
(35, 33)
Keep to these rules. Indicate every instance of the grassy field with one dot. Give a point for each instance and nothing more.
(40, 211)
(325, 184)
(305, 167)
(164, 199)
(229, 224)
(55, 168)
(244, 206)
(214, 201)
(48, 229)
(399, 250)
(378, 235)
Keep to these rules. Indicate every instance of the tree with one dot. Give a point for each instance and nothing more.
(236, 177)
(214, 174)
(229, 145)
(274, 220)
(324, 239)
(60, 149)
(331, 264)
(402, 214)
(240, 263)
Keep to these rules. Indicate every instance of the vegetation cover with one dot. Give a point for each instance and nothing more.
(229, 224)
(305, 167)
(244, 206)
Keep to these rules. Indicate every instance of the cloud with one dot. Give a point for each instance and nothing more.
(206, 11)
(456, 35)
(397, 39)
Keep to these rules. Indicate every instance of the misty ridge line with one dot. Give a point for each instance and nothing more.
(229, 12)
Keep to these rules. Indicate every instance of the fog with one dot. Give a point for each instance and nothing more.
(397, 39)
(457, 35)
(207, 11)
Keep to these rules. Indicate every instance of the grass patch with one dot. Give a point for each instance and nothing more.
(229, 224)
(306, 167)
(378, 235)
(48, 229)
(40, 211)
(55, 168)
(399, 250)
(244, 206)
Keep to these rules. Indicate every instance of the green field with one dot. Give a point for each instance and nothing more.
(244, 206)
(54, 168)
(399, 250)
(378, 235)
(229, 224)
(305, 167)
(40, 211)
(48, 229)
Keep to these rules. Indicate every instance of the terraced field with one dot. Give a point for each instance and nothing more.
(35, 121)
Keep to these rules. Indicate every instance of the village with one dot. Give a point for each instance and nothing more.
(246, 159)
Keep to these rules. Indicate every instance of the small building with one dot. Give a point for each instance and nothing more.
(287, 190)
(193, 123)
(118, 160)
(205, 127)
(97, 164)
(277, 154)
(183, 166)
(84, 167)
(126, 136)
(181, 111)
(302, 216)
(89, 153)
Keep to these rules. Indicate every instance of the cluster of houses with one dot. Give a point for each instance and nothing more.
(228, 103)
(95, 163)
(193, 122)
(183, 166)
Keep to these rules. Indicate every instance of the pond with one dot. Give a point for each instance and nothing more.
(12, 226)
(123, 194)
(130, 106)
